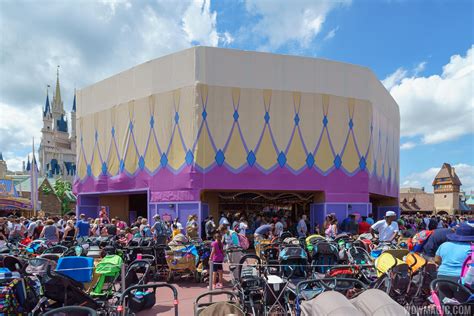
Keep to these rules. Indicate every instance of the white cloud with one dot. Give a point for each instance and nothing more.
(331, 33)
(407, 145)
(425, 178)
(282, 21)
(394, 78)
(439, 107)
(227, 38)
(419, 68)
(92, 43)
(199, 23)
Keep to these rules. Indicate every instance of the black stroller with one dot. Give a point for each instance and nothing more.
(451, 298)
(251, 283)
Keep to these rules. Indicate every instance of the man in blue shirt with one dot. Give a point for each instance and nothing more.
(434, 241)
(83, 227)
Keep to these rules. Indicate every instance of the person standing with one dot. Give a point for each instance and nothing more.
(302, 228)
(50, 232)
(386, 229)
(223, 220)
(278, 228)
(243, 226)
(450, 255)
(17, 232)
(70, 231)
(83, 227)
(210, 228)
(364, 226)
(159, 230)
(217, 258)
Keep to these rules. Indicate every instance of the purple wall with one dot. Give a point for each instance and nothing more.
(173, 210)
(318, 212)
(88, 205)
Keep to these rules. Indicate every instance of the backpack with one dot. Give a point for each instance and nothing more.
(417, 242)
(243, 241)
(467, 271)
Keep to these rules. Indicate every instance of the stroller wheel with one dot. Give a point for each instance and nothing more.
(170, 277)
(197, 277)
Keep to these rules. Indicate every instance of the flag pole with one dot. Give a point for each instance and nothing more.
(34, 181)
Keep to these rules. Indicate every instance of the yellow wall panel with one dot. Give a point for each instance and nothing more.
(282, 114)
(338, 120)
(324, 158)
(176, 154)
(266, 155)
(311, 119)
(296, 157)
(350, 159)
(96, 164)
(204, 153)
(235, 154)
(219, 114)
(362, 118)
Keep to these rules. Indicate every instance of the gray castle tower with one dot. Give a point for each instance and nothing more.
(57, 152)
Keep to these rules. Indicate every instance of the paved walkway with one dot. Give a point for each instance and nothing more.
(188, 290)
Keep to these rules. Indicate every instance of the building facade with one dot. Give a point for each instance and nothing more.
(178, 134)
(57, 151)
(446, 186)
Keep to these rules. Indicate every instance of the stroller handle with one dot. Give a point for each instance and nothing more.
(153, 286)
(71, 309)
(324, 283)
(214, 293)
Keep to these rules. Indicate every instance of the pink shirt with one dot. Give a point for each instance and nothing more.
(218, 253)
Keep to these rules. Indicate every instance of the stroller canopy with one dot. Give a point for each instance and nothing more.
(110, 264)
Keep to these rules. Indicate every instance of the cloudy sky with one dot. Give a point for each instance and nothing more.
(421, 50)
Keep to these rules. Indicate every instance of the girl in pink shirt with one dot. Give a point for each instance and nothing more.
(217, 257)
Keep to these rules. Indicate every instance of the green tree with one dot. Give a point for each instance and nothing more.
(62, 189)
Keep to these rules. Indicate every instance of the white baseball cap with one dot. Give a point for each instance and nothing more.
(390, 213)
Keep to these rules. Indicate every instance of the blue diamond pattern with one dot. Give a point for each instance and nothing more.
(267, 117)
(104, 168)
(122, 165)
(96, 135)
(325, 120)
(351, 124)
(204, 115)
(297, 119)
(89, 170)
(141, 162)
(220, 157)
(130, 126)
(375, 167)
(281, 159)
(163, 160)
(113, 131)
(236, 115)
(362, 163)
(152, 121)
(176, 117)
(189, 157)
(310, 160)
(251, 159)
(337, 162)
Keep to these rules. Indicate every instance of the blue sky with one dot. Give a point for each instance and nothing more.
(421, 50)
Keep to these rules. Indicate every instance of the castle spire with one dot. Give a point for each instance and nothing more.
(1, 156)
(47, 108)
(57, 96)
(74, 102)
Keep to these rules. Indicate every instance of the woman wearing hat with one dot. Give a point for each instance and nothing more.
(450, 255)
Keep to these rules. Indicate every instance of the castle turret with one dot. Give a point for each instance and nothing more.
(3, 167)
(446, 187)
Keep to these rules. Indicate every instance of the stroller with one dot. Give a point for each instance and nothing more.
(311, 240)
(17, 293)
(222, 308)
(270, 257)
(138, 273)
(108, 271)
(423, 273)
(393, 274)
(324, 255)
(307, 290)
(294, 261)
(38, 266)
(182, 261)
(451, 298)
(250, 283)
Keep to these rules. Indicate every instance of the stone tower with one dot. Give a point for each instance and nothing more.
(3, 167)
(57, 152)
(446, 187)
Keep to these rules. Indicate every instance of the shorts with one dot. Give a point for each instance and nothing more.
(217, 266)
